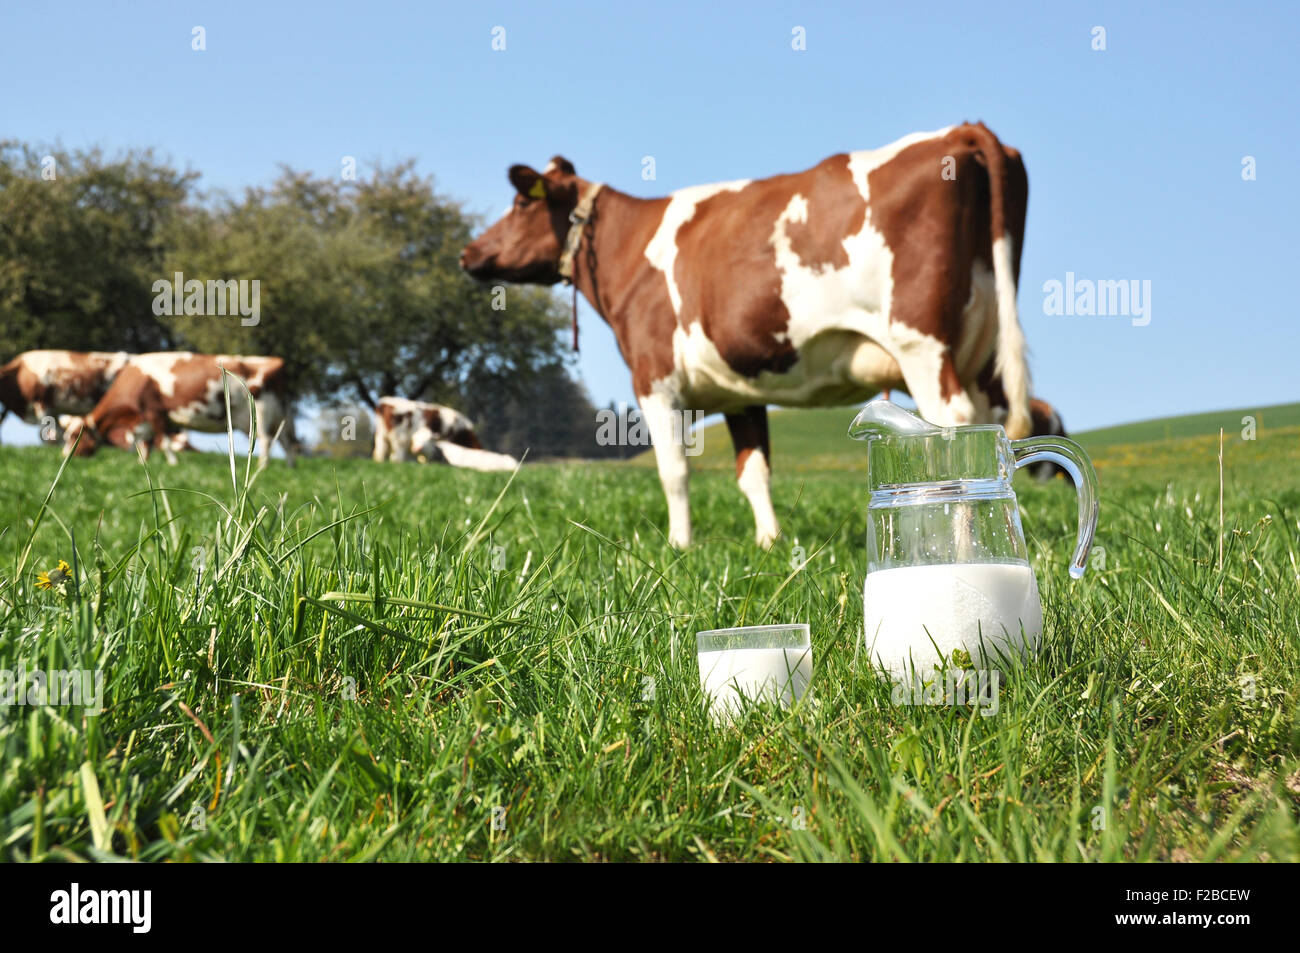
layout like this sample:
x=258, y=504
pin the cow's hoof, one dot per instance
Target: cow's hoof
x=680, y=540
x=765, y=540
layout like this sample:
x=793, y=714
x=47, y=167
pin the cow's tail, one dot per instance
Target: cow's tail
x=1012, y=363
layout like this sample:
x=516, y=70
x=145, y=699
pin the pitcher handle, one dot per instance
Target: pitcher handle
x=1070, y=457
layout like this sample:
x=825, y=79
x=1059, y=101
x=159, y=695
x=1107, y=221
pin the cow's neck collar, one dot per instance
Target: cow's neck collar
x=582, y=214
x=578, y=220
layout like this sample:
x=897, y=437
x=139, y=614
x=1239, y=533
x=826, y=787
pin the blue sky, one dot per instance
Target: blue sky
x=1134, y=153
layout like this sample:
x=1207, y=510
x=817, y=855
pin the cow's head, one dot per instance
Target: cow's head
x=525, y=245
x=83, y=436
x=78, y=436
x=443, y=424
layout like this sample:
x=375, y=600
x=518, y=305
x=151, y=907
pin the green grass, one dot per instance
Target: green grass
x=375, y=658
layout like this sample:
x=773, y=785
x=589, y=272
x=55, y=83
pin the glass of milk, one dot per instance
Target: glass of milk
x=752, y=664
x=948, y=575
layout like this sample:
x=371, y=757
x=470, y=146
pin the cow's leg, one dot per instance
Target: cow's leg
x=932, y=380
x=268, y=419
x=664, y=422
x=165, y=440
x=753, y=471
x=55, y=432
x=45, y=419
x=288, y=435
x=150, y=430
x=381, y=439
x=399, y=444
x=179, y=442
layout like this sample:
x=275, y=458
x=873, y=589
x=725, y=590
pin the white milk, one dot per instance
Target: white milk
x=774, y=674
x=954, y=604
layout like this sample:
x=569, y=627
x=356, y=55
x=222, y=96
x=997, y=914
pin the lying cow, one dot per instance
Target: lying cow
x=892, y=268
x=41, y=387
x=157, y=395
x=414, y=428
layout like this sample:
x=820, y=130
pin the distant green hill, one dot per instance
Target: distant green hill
x=1193, y=425
x=817, y=440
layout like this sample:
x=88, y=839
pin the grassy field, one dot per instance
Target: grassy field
x=357, y=661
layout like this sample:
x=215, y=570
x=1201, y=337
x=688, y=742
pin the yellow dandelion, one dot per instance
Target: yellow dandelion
x=54, y=577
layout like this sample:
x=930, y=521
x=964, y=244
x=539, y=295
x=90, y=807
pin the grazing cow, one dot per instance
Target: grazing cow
x=892, y=268
x=414, y=428
x=175, y=442
x=157, y=395
x=41, y=387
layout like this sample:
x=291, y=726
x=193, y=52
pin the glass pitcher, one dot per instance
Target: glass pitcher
x=948, y=576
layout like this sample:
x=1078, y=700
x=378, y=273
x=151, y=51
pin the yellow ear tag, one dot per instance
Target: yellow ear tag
x=538, y=191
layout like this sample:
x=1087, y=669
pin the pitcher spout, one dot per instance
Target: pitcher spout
x=882, y=417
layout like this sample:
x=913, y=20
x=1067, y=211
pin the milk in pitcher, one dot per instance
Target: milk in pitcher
x=917, y=616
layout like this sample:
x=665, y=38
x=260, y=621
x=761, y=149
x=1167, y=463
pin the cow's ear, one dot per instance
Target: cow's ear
x=561, y=164
x=527, y=182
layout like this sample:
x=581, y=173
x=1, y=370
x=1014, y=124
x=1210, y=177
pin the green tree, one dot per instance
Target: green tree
x=81, y=241
x=361, y=291
x=552, y=416
x=310, y=271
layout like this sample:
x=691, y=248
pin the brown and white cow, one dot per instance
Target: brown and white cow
x=431, y=432
x=408, y=428
x=890, y=268
x=41, y=387
x=157, y=395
